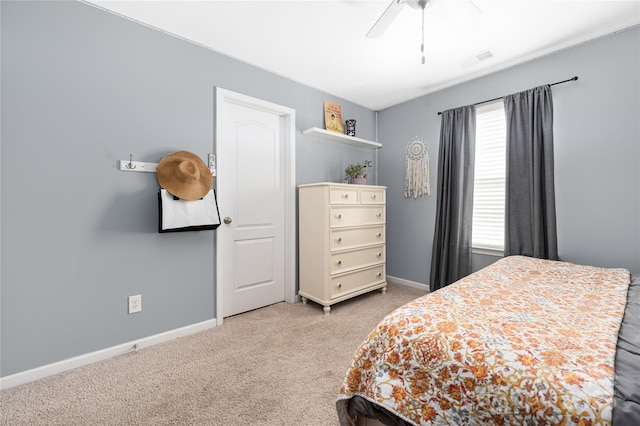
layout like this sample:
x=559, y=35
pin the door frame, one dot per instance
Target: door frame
x=288, y=116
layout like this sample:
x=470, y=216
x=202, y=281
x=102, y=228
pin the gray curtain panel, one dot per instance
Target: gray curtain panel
x=530, y=210
x=451, y=259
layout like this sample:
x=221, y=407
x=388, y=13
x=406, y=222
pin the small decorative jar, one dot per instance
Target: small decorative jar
x=350, y=127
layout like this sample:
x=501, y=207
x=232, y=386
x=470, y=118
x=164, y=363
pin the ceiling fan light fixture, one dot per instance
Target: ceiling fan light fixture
x=394, y=9
x=418, y=4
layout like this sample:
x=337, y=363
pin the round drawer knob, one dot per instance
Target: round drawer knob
x=379, y=254
x=373, y=196
x=339, y=239
x=379, y=215
x=339, y=216
x=339, y=285
x=345, y=195
x=379, y=274
x=379, y=234
x=339, y=262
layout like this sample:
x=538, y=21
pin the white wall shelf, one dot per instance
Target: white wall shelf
x=341, y=138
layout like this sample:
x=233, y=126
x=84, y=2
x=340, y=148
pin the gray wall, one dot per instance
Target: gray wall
x=82, y=89
x=597, y=155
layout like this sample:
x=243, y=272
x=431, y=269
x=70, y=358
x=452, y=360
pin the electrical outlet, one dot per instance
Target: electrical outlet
x=135, y=304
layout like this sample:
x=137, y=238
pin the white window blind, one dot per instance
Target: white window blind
x=489, y=178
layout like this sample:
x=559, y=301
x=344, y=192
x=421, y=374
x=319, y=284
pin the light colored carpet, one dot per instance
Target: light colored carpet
x=279, y=365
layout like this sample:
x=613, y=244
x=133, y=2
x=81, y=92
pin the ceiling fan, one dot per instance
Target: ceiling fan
x=394, y=9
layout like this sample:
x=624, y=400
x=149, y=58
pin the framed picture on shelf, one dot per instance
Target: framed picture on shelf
x=333, y=117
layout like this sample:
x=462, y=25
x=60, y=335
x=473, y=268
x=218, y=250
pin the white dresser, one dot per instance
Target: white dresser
x=341, y=241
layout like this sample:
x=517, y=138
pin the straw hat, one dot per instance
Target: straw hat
x=184, y=175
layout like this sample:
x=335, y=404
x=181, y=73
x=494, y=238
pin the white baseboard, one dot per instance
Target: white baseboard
x=89, y=358
x=408, y=283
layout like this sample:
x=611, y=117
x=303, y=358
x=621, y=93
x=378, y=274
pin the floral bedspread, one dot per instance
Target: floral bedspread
x=523, y=341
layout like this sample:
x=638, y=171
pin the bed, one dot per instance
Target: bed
x=522, y=341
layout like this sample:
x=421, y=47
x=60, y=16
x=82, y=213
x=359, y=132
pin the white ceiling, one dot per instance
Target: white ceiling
x=322, y=44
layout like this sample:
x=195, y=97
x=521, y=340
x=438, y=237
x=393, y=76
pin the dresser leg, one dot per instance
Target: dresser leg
x=326, y=310
x=384, y=290
x=304, y=300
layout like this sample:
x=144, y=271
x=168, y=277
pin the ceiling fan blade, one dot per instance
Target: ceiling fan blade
x=386, y=18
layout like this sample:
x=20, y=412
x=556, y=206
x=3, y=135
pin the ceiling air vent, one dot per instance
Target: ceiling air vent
x=484, y=55
x=477, y=58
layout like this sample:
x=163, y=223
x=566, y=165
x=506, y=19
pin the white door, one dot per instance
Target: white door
x=254, y=181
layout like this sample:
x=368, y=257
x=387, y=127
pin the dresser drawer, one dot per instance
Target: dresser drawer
x=343, y=196
x=354, y=281
x=356, y=216
x=373, y=196
x=352, y=238
x=354, y=259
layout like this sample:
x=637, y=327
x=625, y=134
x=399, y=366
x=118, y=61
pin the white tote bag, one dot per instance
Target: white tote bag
x=178, y=215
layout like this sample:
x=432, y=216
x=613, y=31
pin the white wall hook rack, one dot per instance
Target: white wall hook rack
x=137, y=166
x=212, y=163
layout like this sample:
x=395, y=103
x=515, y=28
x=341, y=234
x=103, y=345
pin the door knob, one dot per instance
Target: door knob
x=227, y=220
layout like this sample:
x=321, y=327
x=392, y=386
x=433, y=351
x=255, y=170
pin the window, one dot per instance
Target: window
x=489, y=179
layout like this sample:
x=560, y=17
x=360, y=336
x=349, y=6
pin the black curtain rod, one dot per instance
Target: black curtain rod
x=495, y=99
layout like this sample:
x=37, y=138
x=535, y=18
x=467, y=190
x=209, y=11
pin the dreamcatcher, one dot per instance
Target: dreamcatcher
x=416, y=175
